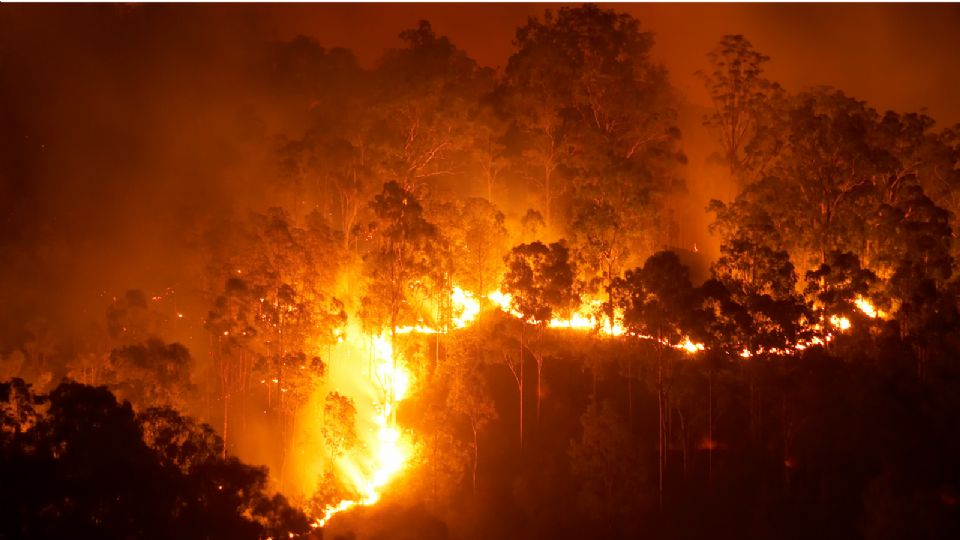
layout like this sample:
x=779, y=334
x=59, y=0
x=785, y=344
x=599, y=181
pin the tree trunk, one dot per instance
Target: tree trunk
x=786, y=441
x=226, y=424
x=435, y=459
x=595, y=369
x=630, y=391
x=392, y=398
x=520, y=385
x=684, y=437
x=710, y=429
x=224, y=394
x=547, y=195
x=539, y=372
x=476, y=456
x=280, y=416
x=753, y=403
x=660, y=449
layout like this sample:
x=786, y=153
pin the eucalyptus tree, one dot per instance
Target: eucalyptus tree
x=404, y=263
x=592, y=112
x=745, y=107
x=541, y=280
x=657, y=304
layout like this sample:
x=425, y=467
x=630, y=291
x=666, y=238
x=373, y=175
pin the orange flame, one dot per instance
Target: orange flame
x=387, y=450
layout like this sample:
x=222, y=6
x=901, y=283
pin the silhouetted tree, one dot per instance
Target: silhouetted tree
x=541, y=282
x=744, y=107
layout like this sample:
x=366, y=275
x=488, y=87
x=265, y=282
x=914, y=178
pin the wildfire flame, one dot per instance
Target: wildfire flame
x=868, y=308
x=841, y=323
x=466, y=307
x=389, y=450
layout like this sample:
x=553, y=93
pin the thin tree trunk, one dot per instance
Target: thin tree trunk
x=683, y=434
x=224, y=395
x=520, y=367
x=595, y=368
x=547, y=195
x=226, y=413
x=393, y=374
x=280, y=416
x=753, y=411
x=476, y=456
x=710, y=429
x=786, y=441
x=539, y=370
x=630, y=391
x=435, y=446
x=660, y=449
x=539, y=358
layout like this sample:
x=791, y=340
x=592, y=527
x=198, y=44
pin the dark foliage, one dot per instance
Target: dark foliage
x=78, y=464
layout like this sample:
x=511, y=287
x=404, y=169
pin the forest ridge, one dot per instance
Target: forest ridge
x=430, y=299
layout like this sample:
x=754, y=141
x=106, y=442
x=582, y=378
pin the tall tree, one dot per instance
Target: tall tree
x=599, y=247
x=744, y=105
x=428, y=93
x=404, y=262
x=470, y=398
x=541, y=280
x=587, y=100
x=656, y=300
x=152, y=374
x=605, y=460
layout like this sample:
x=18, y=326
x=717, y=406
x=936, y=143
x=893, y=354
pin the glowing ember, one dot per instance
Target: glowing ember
x=417, y=329
x=868, y=308
x=690, y=346
x=842, y=323
x=465, y=307
x=386, y=450
x=502, y=300
x=577, y=321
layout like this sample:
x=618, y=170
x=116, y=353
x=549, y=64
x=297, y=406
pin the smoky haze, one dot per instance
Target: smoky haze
x=122, y=123
x=894, y=56
x=285, y=220
x=119, y=122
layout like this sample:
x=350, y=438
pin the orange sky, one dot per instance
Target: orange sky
x=898, y=56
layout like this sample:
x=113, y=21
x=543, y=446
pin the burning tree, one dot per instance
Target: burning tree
x=401, y=268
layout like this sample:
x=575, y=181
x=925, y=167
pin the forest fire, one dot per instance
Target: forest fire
x=386, y=451
x=307, y=272
x=868, y=309
x=383, y=450
x=465, y=308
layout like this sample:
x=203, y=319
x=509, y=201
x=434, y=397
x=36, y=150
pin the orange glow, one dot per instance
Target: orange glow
x=576, y=321
x=842, y=323
x=503, y=301
x=690, y=346
x=868, y=308
x=384, y=448
x=466, y=307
